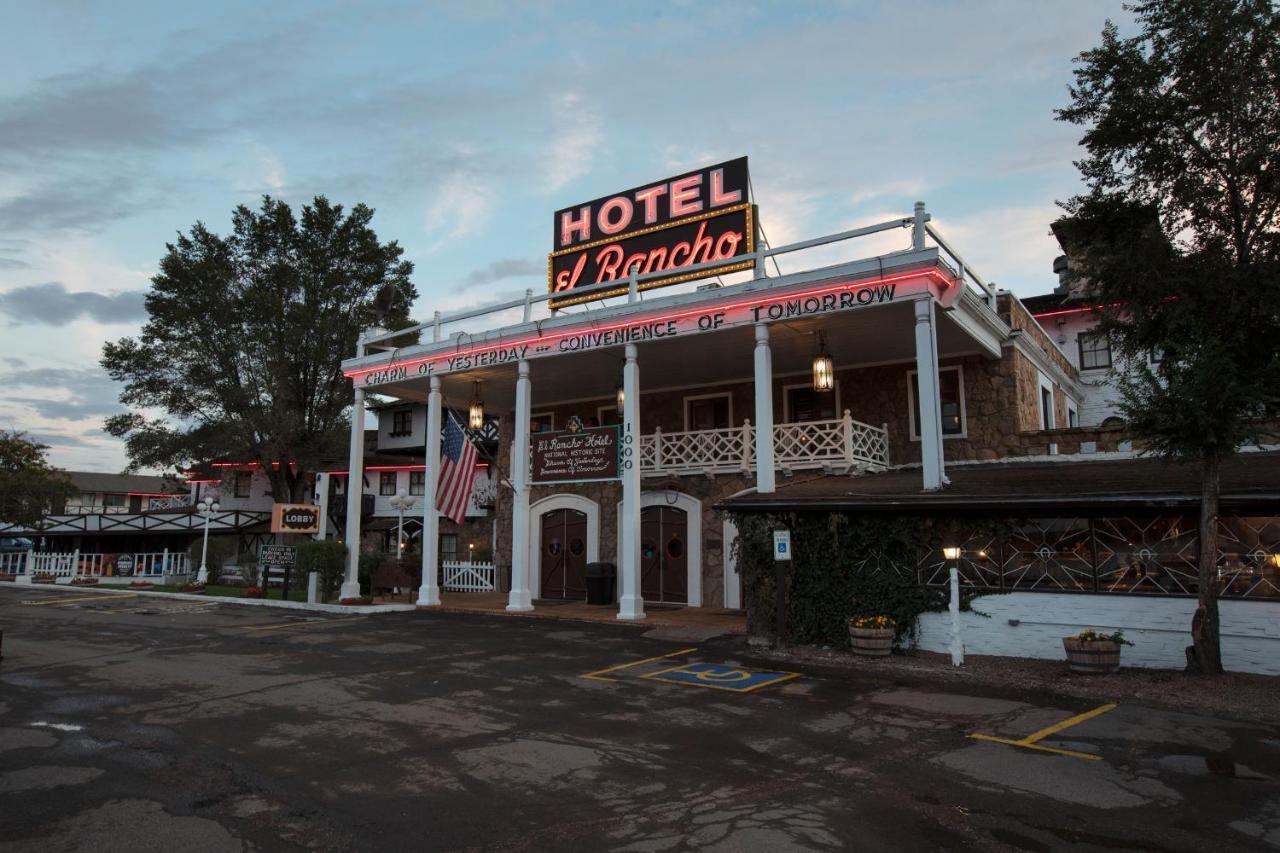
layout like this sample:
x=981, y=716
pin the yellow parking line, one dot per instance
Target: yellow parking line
x=1032, y=740
x=110, y=597
x=312, y=624
x=595, y=676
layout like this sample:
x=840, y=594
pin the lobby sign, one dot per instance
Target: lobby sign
x=698, y=217
x=295, y=518
x=584, y=455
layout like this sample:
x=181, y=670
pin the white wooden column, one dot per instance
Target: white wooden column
x=355, y=490
x=429, y=589
x=322, y=501
x=520, y=597
x=630, y=600
x=930, y=424
x=765, y=474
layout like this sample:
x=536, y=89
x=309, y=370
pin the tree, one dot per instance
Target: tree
x=30, y=487
x=245, y=336
x=1177, y=236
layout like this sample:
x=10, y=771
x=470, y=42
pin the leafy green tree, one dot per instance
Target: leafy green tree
x=30, y=487
x=245, y=336
x=1177, y=239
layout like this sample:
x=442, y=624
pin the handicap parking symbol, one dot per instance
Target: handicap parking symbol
x=721, y=677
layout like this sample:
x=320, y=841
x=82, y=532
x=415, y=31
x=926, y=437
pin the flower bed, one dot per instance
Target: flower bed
x=253, y=592
x=84, y=582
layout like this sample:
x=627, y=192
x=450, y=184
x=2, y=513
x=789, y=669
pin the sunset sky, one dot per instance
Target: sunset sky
x=465, y=125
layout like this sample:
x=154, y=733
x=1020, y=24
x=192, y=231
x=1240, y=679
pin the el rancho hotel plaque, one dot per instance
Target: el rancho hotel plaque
x=575, y=455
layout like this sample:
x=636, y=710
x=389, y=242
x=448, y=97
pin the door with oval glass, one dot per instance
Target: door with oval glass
x=664, y=557
x=564, y=554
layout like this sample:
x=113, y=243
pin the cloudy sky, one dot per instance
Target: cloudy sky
x=465, y=125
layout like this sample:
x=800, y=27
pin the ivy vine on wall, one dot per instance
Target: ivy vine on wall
x=842, y=566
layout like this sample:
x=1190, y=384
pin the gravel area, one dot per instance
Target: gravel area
x=1233, y=695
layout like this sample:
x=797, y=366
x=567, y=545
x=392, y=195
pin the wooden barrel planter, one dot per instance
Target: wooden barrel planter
x=871, y=642
x=1092, y=657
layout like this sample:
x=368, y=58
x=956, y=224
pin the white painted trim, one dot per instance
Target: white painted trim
x=550, y=503
x=732, y=580
x=786, y=400
x=913, y=433
x=728, y=395
x=693, y=511
x=1043, y=384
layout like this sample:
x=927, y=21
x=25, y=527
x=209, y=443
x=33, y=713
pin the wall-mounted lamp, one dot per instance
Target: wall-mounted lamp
x=621, y=399
x=475, y=418
x=824, y=374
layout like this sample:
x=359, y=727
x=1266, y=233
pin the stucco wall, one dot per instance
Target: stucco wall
x=1160, y=628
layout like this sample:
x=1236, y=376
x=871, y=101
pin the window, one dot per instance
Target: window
x=802, y=403
x=417, y=482
x=951, y=394
x=401, y=422
x=542, y=421
x=608, y=415
x=386, y=482
x=339, y=484
x=243, y=484
x=709, y=411
x=1046, y=407
x=1095, y=351
x=114, y=503
x=448, y=547
x=1073, y=416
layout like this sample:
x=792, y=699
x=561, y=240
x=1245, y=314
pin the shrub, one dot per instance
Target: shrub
x=370, y=559
x=221, y=550
x=326, y=558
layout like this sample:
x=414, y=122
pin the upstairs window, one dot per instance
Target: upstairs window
x=951, y=395
x=710, y=412
x=386, y=482
x=243, y=484
x=401, y=423
x=805, y=404
x=1095, y=351
x=417, y=482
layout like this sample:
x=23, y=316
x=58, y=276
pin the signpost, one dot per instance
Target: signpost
x=279, y=557
x=584, y=455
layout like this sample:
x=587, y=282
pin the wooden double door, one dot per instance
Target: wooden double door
x=664, y=554
x=564, y=554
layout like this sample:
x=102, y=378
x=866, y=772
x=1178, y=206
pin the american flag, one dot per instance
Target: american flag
x=457, y=472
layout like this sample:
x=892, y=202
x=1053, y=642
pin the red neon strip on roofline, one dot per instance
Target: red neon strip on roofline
x=1066, y=311
x=931, y=273
x=154, y=494
x=192, y=482
x=394, y=468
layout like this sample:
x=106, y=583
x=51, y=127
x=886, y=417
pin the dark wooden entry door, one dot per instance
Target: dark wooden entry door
x=664, y=554
x=564, y=554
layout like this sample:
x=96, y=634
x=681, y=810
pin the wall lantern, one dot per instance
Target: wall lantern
x=824, y=374
x=475, y=418
x=621, y=399
x=951, y=552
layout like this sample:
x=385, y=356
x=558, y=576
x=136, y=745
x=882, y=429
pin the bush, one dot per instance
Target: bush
x=221, y=550
x=326, y=558
x=370, y=559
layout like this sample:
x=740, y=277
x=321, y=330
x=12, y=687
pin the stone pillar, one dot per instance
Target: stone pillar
x=930, y=425
x=429, y=589
x=765, y=473
x=355, y=490
x=630, y=600
x=520, y=597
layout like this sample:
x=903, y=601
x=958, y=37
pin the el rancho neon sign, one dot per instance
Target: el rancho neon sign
x=695, y=218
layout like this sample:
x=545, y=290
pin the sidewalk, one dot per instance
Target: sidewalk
x=699, y=620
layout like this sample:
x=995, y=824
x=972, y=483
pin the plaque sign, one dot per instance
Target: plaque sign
x=585, y=455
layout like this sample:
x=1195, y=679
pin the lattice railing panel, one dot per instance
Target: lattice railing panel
x=726, y=449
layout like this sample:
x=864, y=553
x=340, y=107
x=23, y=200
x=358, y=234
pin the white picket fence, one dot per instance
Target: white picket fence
x=77, y=564
x=469, y=577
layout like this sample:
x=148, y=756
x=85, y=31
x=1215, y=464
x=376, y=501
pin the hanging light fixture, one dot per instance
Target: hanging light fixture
x=475, y=418
x=824, y=374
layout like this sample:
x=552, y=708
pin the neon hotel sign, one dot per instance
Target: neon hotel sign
x=694, y=218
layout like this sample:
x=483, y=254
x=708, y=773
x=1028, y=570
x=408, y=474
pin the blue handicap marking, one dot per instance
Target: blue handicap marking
x=721, y=677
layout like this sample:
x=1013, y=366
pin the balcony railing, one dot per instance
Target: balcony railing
x=839, y=443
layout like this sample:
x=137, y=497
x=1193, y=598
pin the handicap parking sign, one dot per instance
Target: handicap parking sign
x=721, y=677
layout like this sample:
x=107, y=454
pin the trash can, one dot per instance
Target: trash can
x=601, y=579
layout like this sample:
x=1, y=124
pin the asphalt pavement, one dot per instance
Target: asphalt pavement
x=131, y=723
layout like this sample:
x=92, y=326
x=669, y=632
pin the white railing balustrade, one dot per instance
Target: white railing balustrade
x=80, y=564
x=13, y=562
x=805, y=444
x=462, y=576
x=57, y=565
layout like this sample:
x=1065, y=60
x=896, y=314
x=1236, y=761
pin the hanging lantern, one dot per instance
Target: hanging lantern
x=621, y=399
x=824, y=374
x=475, y=419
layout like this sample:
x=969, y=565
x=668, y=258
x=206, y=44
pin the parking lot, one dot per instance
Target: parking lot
x=137, y=723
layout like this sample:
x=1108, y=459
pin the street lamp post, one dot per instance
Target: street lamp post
x=400, y=503
x=952, y=554
x=207, y=508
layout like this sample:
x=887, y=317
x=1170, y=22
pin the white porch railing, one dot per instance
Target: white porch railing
x=805, y=444
x=77, y=564
x=468, y=577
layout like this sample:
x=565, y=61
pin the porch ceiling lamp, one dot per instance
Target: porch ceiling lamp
x=475, y=419
x=824, y=374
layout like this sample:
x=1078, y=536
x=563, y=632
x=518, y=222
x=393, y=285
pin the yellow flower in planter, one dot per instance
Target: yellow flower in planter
x=873, y=622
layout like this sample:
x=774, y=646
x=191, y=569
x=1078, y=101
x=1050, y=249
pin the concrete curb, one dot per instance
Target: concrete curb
x=250, y=602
